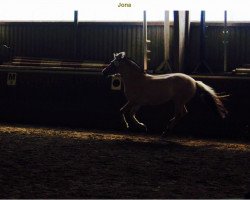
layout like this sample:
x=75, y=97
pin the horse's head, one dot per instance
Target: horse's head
x=120, y=65
x=114, y=66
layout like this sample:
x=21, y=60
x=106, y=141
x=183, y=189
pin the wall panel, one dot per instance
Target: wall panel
x=99, y=40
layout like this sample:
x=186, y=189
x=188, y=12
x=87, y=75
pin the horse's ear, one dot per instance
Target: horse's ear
x=120, y=55
x=123, y=54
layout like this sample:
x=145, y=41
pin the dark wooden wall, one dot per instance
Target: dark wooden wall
x=238, y=46
x=81, y=98
x=84, y=98
x=56, y=97
x=98, y=40
x=95, y=41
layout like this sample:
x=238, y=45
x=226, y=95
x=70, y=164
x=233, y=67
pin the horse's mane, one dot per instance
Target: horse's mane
x=134, y=63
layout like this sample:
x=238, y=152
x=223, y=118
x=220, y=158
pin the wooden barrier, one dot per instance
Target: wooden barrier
x=40, y=62
x=83, y=98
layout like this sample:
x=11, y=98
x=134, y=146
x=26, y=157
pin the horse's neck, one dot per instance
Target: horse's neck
x=130, y=80
x=131, y=74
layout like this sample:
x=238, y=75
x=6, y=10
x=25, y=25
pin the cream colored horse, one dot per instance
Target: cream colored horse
x=143, y=89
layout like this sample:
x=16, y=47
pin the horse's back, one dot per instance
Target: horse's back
x=161, y=88
x=184, y=86
x=178, y=84
x=177, y=78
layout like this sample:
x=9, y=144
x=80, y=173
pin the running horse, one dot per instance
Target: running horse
x=143, y=89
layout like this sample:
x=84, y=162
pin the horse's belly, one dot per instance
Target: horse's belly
x=160, y=90
x=155, y=98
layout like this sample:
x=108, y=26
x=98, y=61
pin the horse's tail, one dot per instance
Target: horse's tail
x=213, y=99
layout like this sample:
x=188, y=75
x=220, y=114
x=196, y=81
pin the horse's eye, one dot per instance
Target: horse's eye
x=116, y=63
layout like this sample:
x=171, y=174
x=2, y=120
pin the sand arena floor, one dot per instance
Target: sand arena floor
x=44, y=162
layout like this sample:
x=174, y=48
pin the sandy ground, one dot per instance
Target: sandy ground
x=43, y=162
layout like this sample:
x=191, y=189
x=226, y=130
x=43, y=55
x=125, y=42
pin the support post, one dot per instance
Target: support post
x=179, y=39
x=225, y=41
x=202, y=62
x=166, y=35
x=75, y=49
x=165, y=67
x=187, y=40
x=75, y=18
x=145, y=42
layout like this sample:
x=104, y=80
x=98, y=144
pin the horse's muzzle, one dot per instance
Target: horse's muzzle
x=109, y=70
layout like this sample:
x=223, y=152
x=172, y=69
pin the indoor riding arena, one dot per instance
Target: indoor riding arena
x=64, y=134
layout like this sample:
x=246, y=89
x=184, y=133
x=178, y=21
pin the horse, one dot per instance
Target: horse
x=143, y=89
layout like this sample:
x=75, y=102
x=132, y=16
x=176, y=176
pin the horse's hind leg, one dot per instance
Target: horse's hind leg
x=128, y=112
x=180, y=111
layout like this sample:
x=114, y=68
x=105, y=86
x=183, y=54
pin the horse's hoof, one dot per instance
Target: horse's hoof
x=139, y=128
x=164, y=134
x=143, y=128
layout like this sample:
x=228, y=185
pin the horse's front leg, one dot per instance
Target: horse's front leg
x=128, y=112
x=124, y=110
x=139, y=126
